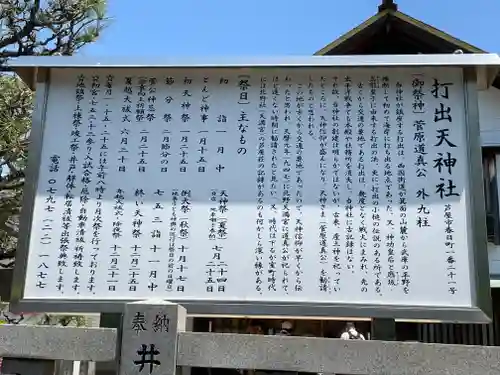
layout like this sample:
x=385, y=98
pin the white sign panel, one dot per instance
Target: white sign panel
x=318, y=186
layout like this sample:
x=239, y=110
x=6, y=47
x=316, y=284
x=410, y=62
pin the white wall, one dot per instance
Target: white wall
x=494, y=255
x=489, y=116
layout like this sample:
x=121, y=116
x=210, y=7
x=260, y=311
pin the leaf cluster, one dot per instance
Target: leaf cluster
x=32, y=28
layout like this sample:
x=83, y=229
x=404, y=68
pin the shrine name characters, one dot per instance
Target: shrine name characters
x=445, y=162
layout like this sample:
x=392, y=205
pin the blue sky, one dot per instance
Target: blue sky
x=272, y=27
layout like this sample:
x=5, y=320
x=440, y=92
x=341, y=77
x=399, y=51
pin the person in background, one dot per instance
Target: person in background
x=350, y=333
x=255, y=328
x=286, y=329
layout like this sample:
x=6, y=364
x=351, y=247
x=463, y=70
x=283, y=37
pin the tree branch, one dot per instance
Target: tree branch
x=31, y=27
x=7, y=255
x=9, y=185
x=8, y=265
x=8, y=230
x=26, y=30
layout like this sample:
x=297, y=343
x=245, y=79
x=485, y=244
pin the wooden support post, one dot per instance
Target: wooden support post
x=383, y=329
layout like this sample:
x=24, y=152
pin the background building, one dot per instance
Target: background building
x=391, y=32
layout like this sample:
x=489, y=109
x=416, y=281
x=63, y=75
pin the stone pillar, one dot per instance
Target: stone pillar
x=149, y=337
x=109, y=321
x=189, y=328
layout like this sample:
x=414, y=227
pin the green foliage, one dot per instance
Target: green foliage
x=40, y=319
x=36, y=27
x=32, y=27
x=15, y=122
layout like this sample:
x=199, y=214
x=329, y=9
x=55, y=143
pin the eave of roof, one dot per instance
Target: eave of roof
x=427, y=35
x=369, y=23
x=378, y=20
x=31, y=68
x=466, y=47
